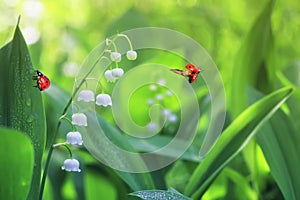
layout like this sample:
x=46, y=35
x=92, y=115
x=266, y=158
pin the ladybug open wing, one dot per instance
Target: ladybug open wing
x=180, y=72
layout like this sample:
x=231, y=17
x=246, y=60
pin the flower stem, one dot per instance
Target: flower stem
x=127, y=38
x=43, y=181
x=69, y=121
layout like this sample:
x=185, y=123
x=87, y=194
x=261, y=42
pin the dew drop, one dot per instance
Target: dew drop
x=30, y=118
x=28, y=101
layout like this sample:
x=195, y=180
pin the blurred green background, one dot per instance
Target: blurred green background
x=61, y=34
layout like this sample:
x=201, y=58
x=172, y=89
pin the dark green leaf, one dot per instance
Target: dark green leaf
x=21, y=104
x=233, y=139
x=170, y=194
x=16, y=169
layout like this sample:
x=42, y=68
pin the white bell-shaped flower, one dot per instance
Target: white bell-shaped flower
x=153, y=87
x=86, y=96
x=162, y=82
x=131, y=55
x=159, y=97
x=172, y=118
x=79, y=119
x=169, y=93
x=150, y=102
x=152, y=127
x=115, y=56
x=109, y=76
x=117, y=72
x=71, y=165
x=103, y=100
x=74, y=138
x=166, y=112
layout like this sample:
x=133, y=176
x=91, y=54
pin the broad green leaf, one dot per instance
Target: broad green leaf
x=21, y=105
x=251, y=65
x=159, y=194
x=279, y=139
x=136, y=181
x=233, y=140
x=16, y=169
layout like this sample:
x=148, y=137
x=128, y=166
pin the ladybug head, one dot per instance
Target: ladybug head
x=39, y=73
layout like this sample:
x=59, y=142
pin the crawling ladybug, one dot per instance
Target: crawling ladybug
x=42, y=82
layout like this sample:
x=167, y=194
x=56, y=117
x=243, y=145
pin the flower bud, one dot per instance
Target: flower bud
x=115, y=56
x=131, y=55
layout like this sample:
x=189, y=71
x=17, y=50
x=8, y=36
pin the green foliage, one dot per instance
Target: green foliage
x=233, y=139
x=278, y=140
x=251, y=66
x=17, y=159
x=254, y=44
x=21, y=105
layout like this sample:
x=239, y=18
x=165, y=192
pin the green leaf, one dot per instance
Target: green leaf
x=278, y=140
x=21, y=104
x=16, y=158
x=159, y=194
x=243, y=187
x=250, y=62
x=233, y=140
x=136, y=181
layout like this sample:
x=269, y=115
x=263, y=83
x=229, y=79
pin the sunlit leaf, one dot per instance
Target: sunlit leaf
x=21, y=105
x=16, y=169
x=233, y=139
x=250, y=64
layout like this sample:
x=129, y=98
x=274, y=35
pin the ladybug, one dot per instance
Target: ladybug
x=192, y=72
x=42, y=81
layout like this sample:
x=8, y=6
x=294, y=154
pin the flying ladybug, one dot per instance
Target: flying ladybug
x=192, y=72
x=42, y=81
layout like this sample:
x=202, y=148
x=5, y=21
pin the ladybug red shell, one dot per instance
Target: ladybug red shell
x=42, y=81
x=192, y=72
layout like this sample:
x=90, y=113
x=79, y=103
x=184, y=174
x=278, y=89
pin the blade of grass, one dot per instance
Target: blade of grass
x=233, y=139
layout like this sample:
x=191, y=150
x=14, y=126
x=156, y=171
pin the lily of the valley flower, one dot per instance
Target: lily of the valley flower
x=71, y=165
x=86, y=96
x=109, y=76
x=152, y=127
x=172, y=118
x=103, y=100
x=131, y=55
x=117, y=72
x=74, y=138
x=79, y=119
x=159, y=97
x=115, y=56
